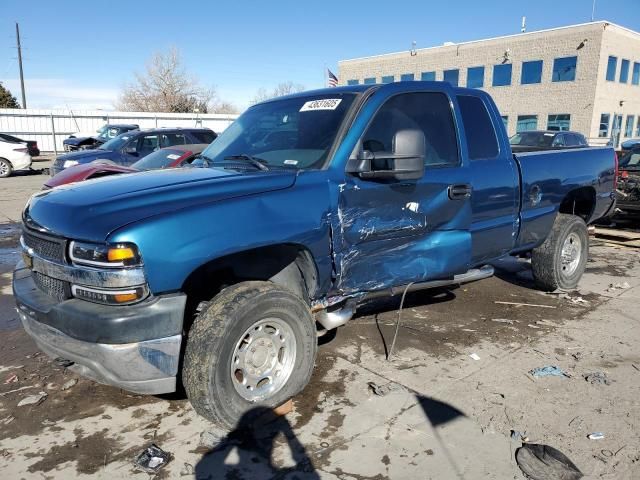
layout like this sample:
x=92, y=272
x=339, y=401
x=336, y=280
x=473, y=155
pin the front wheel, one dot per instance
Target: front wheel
x=254, y=345
x=561, y=260
x=5, y=168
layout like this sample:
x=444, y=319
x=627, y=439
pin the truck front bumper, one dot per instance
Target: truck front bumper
x=136, y=348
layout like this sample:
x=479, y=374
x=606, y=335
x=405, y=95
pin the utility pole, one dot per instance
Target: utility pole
x=24, y=98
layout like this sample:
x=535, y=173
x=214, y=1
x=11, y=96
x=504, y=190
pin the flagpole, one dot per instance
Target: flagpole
x=325, y=76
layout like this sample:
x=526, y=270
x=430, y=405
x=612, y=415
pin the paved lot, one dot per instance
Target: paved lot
x=448, y=415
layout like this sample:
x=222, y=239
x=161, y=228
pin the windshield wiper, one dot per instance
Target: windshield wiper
x=259, y=163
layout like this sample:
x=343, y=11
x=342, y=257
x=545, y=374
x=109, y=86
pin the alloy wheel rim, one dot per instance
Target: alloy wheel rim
x=4, y=168
x=263, y=359
x=571, y=254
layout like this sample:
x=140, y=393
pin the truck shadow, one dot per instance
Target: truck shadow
x=248, y=451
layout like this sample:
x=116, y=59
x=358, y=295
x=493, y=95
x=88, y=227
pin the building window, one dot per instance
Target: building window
x=526, y=122
x=624, y=71
x=452, y=76
x=475, y=77
x=603, y=132
x=428, y=76
x=564, y=69
x=353, y=82
x=505, y=120
x=502, y=75
x=638, y=127
x=628, y=127
x=407, y=77
x=612, y=64
x=559, y=123
x=387, y=79
x=635, y=76
x=369, y=80
x=531, y=72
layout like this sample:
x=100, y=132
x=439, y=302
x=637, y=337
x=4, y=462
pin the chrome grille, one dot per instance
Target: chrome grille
x=53, y=287
x=51, y=249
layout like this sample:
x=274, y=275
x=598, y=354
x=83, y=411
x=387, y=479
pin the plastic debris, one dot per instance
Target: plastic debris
x=618, y=286
x=33, y=399
x=548, y=371
x=518, y=304
x=11, y=378
x=597, y=378
x=68, y=384
x=519, y=436
x=596, y=436
x=502, y=320
x=382, y=390
x=475, y=356
x=152, y=459
x=542, y=462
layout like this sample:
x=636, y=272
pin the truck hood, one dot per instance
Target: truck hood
x=91, y=210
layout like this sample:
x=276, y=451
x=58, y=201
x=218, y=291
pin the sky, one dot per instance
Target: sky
x=79, y=54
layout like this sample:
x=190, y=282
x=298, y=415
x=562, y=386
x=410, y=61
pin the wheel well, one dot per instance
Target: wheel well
x=580, y=202
x=291, y=266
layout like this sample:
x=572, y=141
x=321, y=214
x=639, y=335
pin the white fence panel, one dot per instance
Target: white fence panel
x=40, y=125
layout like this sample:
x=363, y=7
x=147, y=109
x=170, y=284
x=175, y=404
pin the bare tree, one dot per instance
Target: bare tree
x=284, y=88
x=221, y=106
x=166, y=87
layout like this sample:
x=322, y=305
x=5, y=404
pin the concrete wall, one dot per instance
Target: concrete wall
x=576, y=98
x=35, y=124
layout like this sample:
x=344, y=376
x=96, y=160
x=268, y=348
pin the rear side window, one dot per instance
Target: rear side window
x=426, y=111
x=170, y=139
x=481, y=136
x=204, y=137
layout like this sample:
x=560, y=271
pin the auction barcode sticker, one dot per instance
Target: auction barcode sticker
x=324, y=104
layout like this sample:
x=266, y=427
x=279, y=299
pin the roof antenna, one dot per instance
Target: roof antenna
x=413, y=49
x=523, y=28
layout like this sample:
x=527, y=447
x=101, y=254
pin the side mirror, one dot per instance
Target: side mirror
x=405, y=162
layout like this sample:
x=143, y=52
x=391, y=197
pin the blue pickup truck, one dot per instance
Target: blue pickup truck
x=223, y=277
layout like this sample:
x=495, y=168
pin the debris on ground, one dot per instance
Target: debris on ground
x=475, y=356
x=187, y=470
x=618, y=286
x=597, y=378
x=152, y=459
x=382, y=390
x=596, y=436
x=68, y=384
x=503, y=320
x=210, y=439
x=542, y=462
x=519, y=436
x=36, y=399
x=577, y=356
x=11, y=378
x=517, y=304
x=549, y=371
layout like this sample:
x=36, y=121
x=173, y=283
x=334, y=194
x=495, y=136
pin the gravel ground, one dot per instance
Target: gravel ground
x=459, y=384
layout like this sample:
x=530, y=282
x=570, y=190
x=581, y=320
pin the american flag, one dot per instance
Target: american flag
x=332, y=79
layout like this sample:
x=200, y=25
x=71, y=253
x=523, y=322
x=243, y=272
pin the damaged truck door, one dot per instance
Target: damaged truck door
x=402, y=222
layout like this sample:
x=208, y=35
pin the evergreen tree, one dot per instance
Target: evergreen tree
x=6, y=99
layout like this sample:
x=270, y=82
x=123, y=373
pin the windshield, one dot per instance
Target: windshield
x=107, y=132
x=115, y=143
x=532, y=139
x=289, y=133
x=159, y=159
x=631, y=159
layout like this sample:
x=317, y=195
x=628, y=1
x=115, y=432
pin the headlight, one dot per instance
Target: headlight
x=103, y=255
x=69, y=163
x=110, y=297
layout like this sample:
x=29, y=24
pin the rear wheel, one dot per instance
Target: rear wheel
x=5, y=168
x=254, y=345
x=561, y=260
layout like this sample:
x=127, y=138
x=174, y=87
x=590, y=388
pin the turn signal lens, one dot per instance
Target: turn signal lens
x=125, y=297
x=110, y=297
x=118, y=254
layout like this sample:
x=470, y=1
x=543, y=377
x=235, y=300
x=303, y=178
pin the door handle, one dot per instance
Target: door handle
x=459, y=191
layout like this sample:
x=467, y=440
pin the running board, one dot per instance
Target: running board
x=339, y=316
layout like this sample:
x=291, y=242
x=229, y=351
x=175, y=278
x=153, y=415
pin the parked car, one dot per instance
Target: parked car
x=628, y=193
x=104, y=134
x=13, y=156
x=539, y=140
x=129, y=147
x=168, y=157
x=32, y=145
x=628, y=145
x=312, y=203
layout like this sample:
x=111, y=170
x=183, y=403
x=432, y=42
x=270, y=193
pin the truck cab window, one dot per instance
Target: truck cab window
x=481, y=136
x=429, y=112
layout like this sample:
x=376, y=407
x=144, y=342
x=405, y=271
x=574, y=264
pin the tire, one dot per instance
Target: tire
x=6, y=169
x=552, y=270
x=215, y=342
